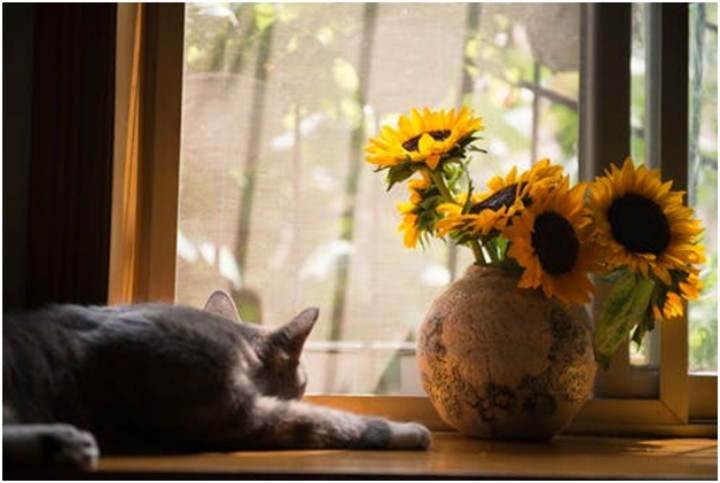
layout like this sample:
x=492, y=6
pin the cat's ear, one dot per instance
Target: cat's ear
x=221, y=303
x=292, y=336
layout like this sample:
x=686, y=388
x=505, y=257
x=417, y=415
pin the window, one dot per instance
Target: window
x=277, y=205
x=702, y=161
x=702, y=188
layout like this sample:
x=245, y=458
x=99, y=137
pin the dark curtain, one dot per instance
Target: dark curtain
x=70, y=172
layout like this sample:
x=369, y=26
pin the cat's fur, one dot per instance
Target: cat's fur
x=164, y=378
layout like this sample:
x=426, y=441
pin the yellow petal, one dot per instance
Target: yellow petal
x=432, y=161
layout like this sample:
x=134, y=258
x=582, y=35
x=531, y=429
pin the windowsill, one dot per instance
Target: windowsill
x=451, y=456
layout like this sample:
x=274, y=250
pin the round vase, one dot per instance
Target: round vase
x=500, y=362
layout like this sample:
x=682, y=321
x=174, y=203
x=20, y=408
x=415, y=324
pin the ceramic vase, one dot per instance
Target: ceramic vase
x=500, y=362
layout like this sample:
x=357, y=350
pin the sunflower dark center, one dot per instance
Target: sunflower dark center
x=412, y=143
x=555, y=243
x=639, y=224
x=503, y=197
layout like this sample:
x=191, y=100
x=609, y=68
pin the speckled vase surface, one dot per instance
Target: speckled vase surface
x=499, y=362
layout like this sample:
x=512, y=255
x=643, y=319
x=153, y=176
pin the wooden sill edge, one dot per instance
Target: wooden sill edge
x=419, y=409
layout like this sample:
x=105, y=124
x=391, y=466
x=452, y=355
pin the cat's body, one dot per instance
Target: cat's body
x=163, y=378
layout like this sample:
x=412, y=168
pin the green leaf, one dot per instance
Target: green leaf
x=613, y=276
x=401, y=172
x=468, y=197
x=453, y=171
x=646, y=324
x=625, y=309
x=430, y=202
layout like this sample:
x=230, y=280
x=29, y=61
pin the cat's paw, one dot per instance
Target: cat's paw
x=45, y=446
x=409, y=436
x=68, y=446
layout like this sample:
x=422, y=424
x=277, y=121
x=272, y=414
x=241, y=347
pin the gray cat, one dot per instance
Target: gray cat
x=154, y=378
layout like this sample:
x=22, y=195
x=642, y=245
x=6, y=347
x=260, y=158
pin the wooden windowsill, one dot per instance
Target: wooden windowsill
x=451, y=456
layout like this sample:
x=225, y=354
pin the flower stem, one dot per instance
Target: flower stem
x=439, y=181
x=477, y=252
x=493, y=256
x=475, y=245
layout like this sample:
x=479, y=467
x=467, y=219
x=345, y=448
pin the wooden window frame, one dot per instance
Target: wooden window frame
x=149, y=68
x=145, y=197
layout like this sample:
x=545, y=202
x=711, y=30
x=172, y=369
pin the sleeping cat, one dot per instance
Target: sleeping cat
x=154, y=378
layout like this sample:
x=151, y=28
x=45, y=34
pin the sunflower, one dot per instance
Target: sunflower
x=642, y=224
x=422, y=137
x=669, y=302
x=542, y=175
x=550, y=240
x=477, y=222
x=409, y=224
x=413, y=212
x=491, y=211
x=691, y=286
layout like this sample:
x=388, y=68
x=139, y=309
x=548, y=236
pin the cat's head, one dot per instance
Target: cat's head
x=280, y=372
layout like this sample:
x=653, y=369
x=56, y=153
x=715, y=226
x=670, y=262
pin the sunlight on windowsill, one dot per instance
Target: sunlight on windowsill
x=453, y=455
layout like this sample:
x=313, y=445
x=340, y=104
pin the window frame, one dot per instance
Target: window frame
x=145, y=197
x=149, y=68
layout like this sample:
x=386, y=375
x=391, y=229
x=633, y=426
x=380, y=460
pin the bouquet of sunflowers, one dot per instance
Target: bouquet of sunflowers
x=627, y=226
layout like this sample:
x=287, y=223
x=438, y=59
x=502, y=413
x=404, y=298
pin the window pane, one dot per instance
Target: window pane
x=647, y=355
x=277, y=205
x=702, y=166
x=703, y=182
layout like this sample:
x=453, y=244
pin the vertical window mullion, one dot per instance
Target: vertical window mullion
x=605, y=138
x=605, y=130
x=674, y=165
x=605, y=87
